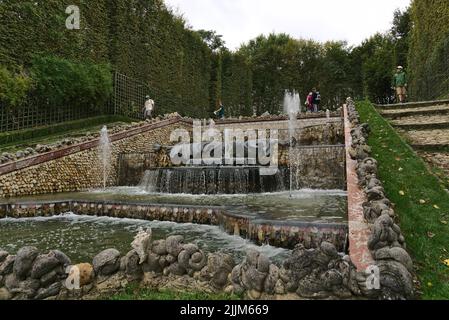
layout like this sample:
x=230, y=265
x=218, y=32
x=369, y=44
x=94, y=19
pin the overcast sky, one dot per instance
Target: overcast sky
x=241, y=20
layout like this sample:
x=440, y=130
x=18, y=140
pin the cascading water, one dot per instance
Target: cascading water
x=211, y=180
x=292, y=103
x=105, y=154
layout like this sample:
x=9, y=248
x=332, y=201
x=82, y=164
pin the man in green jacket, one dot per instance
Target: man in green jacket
x=400, y=84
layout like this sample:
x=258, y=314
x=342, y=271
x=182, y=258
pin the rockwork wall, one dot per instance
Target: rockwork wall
x=78, y=167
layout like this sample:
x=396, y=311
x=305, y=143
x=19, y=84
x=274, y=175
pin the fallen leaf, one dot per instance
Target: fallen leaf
x=422, y=201
x=431, y=235
x=443, y=221
x=446, y=262
x=436, y=207
x=402, y=193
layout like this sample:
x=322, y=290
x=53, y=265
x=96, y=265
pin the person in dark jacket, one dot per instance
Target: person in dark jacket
x=316, y=97
x=220, y=113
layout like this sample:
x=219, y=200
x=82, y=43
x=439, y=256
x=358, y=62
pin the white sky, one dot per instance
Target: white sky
x=242, y=20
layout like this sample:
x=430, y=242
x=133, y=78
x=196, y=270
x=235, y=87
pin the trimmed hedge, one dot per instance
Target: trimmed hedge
x=142, y=39
x=429, y=49
x=236, y=85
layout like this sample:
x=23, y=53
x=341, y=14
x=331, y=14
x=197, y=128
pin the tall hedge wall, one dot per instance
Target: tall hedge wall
x=429, y=49
x=38, y=27
x=140, y=38
x=236, y=85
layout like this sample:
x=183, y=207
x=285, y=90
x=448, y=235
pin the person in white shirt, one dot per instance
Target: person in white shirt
x=148, y=108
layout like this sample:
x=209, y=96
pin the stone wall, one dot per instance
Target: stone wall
x=307, y=131
x=315, y=167
x=78, y=170
x=319, y=167
x=384, y=241
x=132, y=167
x=172, y=264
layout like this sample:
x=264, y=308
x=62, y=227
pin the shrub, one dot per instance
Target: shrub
x=61, y=82
x=13, y=88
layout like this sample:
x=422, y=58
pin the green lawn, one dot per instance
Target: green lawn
x=19, y=140
x=421, y=202
x=135, y=293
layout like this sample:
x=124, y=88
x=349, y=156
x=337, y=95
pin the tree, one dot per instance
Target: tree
x=373, y=62
x=213, y=40
x=334, y=75
x=401, y=31
x=376, y=64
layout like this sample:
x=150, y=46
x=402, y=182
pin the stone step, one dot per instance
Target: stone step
x=435, y=138
x=420, y=119
x=410, y=105
x=437, y=159
x=423, y=111
x=421, y=126
x=440, y=148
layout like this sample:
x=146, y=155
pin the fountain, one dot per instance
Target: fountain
x=212, y=180
x=219, y=175
x=206, y=198
x=292, y=104
x=105, y=154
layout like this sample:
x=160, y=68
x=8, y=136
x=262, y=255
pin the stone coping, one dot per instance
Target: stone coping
x=359, y=230
x=300, y=120
x=334, y=116
x=72, y=203
x=52, y=155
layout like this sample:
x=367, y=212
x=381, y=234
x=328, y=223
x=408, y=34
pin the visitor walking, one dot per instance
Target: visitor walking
x=400, y=84
x=316, y=99
x=148, y=108
x=220, y=113
x=309, y=102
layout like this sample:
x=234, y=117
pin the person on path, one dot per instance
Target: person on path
x=315, y=94
x=318, y=101
x=148, y=108
x=309, y=102
x=400, y=84
x=220, y=113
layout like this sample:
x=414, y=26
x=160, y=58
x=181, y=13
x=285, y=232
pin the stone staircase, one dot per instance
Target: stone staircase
x=425, y=126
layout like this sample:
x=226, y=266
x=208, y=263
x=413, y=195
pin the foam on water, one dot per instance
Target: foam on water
x=81, y=237
x=298, y=194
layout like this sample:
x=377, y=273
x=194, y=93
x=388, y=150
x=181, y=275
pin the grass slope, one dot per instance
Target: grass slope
x=17, y=140
x=421, y=202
